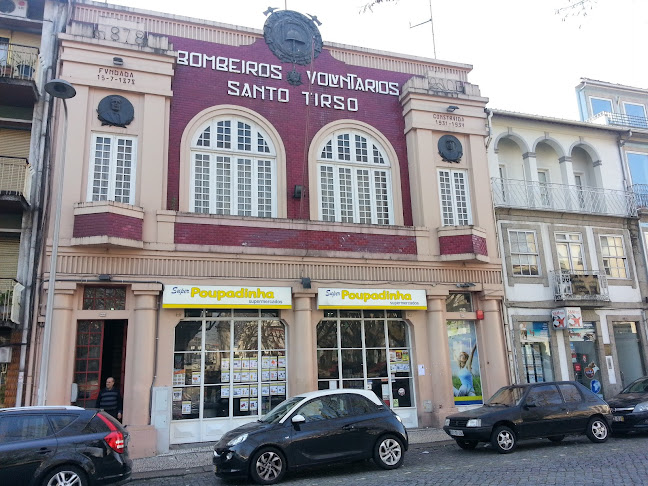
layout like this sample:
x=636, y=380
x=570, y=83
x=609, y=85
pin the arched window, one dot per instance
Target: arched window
x=233, y=169
x=354, y=179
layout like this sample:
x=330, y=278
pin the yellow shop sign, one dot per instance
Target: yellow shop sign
x=201, y=296
x=343, y=298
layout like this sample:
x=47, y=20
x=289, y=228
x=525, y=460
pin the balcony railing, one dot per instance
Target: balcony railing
x=562, y=197
x=607, y=118
x=15, y=177
x=583, y=285
x=18, y=61
x=641, y=195
x=8, y=304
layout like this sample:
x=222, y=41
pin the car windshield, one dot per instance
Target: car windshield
x=277, y=413
x=507, y=396
x=639, y=386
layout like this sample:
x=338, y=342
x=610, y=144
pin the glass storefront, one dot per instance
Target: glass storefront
x=584, y=357
x=536, y=352
x=228, y=363
x=366, y=349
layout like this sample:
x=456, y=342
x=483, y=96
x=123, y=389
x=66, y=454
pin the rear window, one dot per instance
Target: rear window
x=570, y=393
x=360, y=405
x=96, y=425
x=60, y=421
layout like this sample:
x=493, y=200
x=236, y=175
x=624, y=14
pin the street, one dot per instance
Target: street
x=620, y=461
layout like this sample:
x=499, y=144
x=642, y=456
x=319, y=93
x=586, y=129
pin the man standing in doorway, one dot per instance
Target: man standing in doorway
x=110, y=399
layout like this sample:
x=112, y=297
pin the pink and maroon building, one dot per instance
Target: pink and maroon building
x=248, y=215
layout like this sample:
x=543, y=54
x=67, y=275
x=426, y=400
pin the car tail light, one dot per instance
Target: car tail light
x=114, y=439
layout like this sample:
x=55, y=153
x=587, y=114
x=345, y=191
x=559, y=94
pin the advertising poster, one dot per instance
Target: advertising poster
x=177, y=394
x=464, y=362
x=186, y=407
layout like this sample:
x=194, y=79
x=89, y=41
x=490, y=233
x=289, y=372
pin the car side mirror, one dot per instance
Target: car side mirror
x=298, y=419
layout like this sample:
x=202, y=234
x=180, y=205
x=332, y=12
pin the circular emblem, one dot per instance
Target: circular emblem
x=401, y=391
x=450, y=148
x=115, y=110
x=292, y=37
x=595, y=386
x=589, y=372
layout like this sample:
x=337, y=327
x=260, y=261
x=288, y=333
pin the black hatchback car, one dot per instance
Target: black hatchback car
x=57, y=446
x=550, y=409
x=630, y=408
x=314, y=428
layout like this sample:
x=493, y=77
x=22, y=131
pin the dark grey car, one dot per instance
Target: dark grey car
x=551, y=409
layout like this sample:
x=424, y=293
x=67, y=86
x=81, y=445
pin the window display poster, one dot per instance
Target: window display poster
x=265, y=375
x=265, y=390
x=245, y=364
x=244, y=405
x=265, y=362
x=254, y=391
x=245, y=376
x=281, y=361
x=236, y=377
x=179, y=377
x=186, y=407
x=281, y=374
x=225, y=364
x=195, y=378
x=464, y=363
x=225, y=392
x=225, y=377
x=254, y=376
x=273, y=375
x=254, y=405
x=254, y=364
x=236, y=363
x=177, y=394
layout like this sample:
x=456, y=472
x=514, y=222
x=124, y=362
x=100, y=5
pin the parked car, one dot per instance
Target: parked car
x=630, y=408
x=313, y=428
x=57, y=446
x=551, y=409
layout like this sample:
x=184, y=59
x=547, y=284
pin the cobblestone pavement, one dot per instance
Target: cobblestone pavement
x=620, y=461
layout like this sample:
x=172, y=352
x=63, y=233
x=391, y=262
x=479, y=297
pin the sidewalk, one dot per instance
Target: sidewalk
x=198, y=457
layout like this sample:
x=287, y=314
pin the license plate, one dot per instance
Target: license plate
x=457, y=433
x=618, y=418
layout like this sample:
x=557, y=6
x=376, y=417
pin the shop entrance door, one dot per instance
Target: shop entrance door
x=628, y=351
x=100, y=353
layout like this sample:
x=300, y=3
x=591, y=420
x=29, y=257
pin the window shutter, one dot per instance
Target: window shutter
x=14, y=143
x=9, y=250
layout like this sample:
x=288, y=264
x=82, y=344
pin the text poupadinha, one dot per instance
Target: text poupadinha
x=243, y=293
x=385, y=295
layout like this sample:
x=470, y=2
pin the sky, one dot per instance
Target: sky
x=525, y=57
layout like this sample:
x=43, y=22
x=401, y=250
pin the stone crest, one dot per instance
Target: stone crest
x=293, y=37
x=450, y=148
x=116, y=111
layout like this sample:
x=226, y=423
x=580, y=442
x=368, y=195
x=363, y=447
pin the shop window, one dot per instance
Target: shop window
x=614, y=258
x=104, y=298
x=229, y=364
x=536, y=352
x=233, y=169
x=366, y=349
x=455, y=198
x=464, y=362
x=112, y=168
x=354, y=179
x=524, y=252
x=584, y=356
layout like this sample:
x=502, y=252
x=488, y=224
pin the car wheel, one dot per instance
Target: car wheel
x=268, y=466
x=597, y=430
x=467, y=445
x=65, y=476
x=504, y=440
x=556, y=438
x=389, y=452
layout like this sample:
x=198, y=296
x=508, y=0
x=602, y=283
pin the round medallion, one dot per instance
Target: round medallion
x=292, y=37
x=450, y=148
x=115, y=110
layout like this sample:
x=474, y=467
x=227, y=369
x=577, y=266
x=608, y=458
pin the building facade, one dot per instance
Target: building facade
x=250, y=215
x=573, y=276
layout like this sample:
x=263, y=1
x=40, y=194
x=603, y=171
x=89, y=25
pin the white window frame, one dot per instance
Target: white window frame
x=234, y=154
x=626, y=103
x=536, y=254
x=601, y=99
x=623, y=257
x=454, y=210
x=569, y=242
x=112, y=168
x=375, y=151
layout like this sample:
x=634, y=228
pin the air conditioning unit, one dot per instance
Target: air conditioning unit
x=16, y=8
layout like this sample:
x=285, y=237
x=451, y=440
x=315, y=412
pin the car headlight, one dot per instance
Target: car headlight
x=447, y=422
x=474, y=423
x=237, y=440
x=641, y=407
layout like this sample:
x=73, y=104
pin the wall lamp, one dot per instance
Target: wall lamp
x=306, y=282
x=118, y=61
x=298, y=192
x=465, y=285
x=452, y=108
x=104, y=277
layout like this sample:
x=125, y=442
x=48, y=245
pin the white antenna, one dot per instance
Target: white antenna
x=432, y=25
